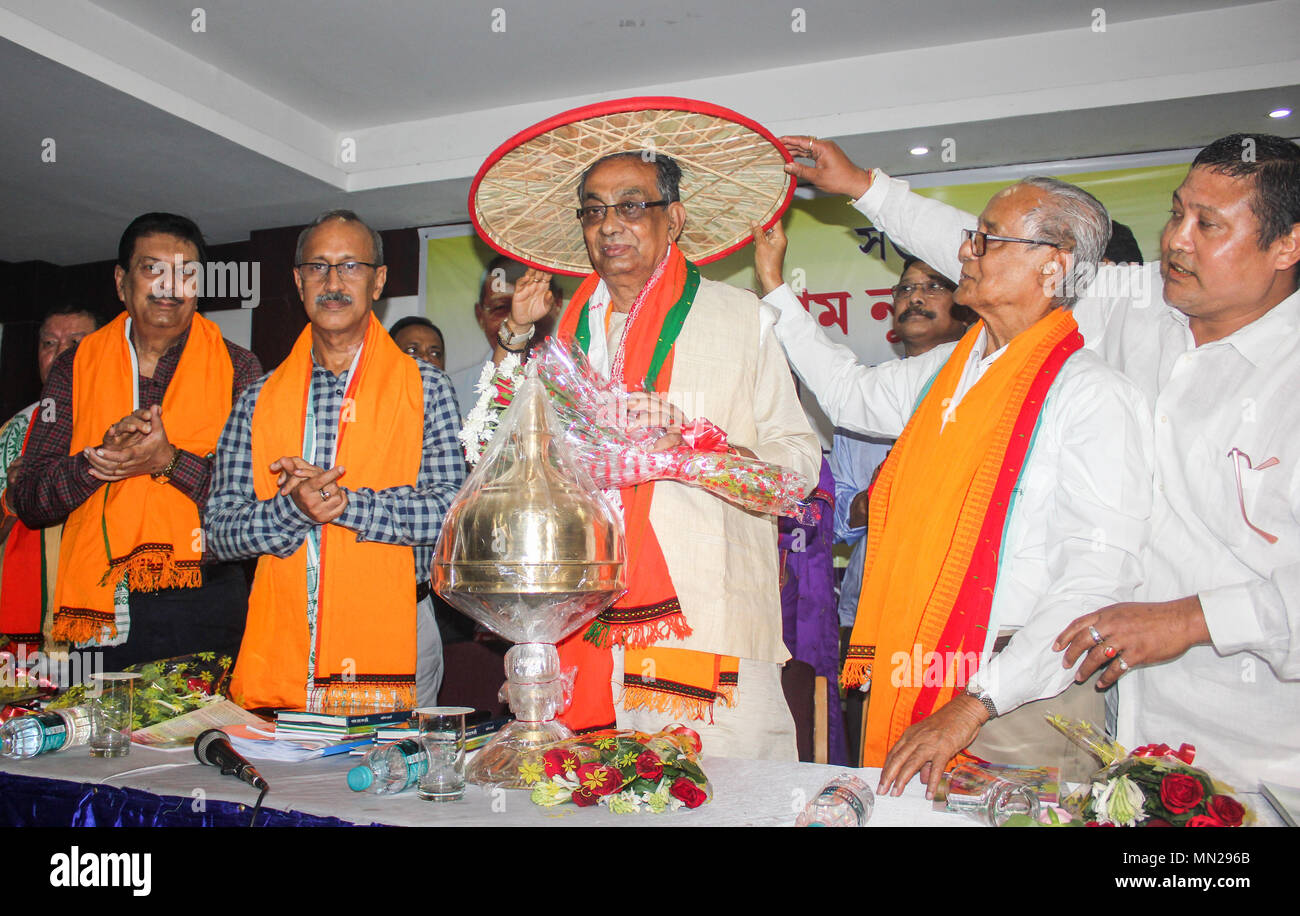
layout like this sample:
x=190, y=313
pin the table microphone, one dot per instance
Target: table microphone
x=213, y=748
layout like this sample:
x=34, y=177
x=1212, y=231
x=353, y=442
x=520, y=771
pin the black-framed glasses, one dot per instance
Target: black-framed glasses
x=629, y=211
x=979, y=241
x=347, y=270
x=930, y=289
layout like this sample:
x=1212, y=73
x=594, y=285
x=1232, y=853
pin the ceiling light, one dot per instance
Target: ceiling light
x=1280, y=113
x=922, y=150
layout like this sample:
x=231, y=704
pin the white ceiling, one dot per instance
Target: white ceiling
x=241, y=125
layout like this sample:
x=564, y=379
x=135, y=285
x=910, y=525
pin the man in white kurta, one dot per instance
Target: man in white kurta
x=1226, y=516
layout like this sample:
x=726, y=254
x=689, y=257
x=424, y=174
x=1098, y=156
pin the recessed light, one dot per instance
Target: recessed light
x=922, y=150
x=1280, y=113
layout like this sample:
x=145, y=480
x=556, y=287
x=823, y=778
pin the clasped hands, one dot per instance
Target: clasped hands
x=136, y=444
x=314, y=490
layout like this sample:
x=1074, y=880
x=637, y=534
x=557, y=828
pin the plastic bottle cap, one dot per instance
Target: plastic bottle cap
x=360, y=778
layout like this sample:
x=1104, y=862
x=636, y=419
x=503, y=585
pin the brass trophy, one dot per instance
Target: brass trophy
x=531, y=550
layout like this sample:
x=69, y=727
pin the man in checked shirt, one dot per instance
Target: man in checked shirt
x=336, y=470
x=121, y=446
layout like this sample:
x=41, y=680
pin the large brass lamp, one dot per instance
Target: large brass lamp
x=532, y=550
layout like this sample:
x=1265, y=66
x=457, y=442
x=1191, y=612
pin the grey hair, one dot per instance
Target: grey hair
x=1075, y=220
x=668, y=174
x=346, y=216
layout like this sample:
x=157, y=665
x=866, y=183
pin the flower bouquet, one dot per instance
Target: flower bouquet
x=616, y=454
x=1153, y=786
x=628, y=772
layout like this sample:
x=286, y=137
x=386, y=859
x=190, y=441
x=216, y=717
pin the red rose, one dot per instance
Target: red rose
x=1156, y=822
x=691, y=795
x=197, y=684
x=648, y=765
x=600, y=778
x=1181, y=793
x=1226, y=809
x=584, y=797
x=1202, y=820
x=554, y=762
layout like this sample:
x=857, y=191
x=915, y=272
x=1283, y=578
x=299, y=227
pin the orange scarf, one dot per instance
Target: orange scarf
x=683, y=681
x=365, y=620
x=136, y=530
x=934, y=530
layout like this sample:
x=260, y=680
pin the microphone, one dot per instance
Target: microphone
x=212, y=748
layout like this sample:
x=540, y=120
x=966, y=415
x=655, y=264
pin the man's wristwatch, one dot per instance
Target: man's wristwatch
x=984, y=699
x=511, y=342
x=165, y=475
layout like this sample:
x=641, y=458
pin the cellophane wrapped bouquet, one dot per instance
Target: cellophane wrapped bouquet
x=1152, y=786
x=615, y=454
x=628, y=772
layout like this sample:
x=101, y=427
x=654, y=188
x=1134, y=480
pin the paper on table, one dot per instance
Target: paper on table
x=182, y=730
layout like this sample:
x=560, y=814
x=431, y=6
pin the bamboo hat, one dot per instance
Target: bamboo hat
x=523, y=198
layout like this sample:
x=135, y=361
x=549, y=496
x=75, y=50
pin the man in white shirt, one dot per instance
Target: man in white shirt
x=1070, y=529
x=1211, y=654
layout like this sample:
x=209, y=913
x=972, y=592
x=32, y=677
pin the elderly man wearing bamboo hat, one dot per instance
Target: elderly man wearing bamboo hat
x=697, y=636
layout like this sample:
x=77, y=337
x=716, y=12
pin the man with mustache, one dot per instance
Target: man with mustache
x=122, y=447
x=1210, y=653
x=1018, y=493
x=336, y=470
x=924, y=314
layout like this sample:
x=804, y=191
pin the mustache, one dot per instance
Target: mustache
x=341, y=298
x=917, y=311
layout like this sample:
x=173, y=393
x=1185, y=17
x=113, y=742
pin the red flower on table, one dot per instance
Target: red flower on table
x=584, y=797
x=648, y=765
x=1226, y=809
x=559, y=762
x=599, y=778
x=1181, y=793
x=691, y=795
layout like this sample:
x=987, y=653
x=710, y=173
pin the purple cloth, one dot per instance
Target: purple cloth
x=810, y=624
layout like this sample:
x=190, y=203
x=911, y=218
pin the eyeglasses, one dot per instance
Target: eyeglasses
x=929, y=289
x=979, y=241
x=318, y=271
x=629, y=211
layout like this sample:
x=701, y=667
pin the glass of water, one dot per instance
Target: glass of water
x=112, y=709
x=442, y=733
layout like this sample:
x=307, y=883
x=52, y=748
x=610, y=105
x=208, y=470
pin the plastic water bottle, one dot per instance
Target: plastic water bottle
x=845, y=801
x=389, y=769
x=53, y=730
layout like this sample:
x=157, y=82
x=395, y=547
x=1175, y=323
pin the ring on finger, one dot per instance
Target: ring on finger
x=1110, y=652
x=324, y=494
x=1123, y=665
x=1097, y=639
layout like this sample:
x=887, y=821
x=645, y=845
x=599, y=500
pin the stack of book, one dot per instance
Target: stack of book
x=298, y=723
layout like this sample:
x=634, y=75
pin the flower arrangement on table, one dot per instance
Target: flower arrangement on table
x=167, y=688
x=1152, y=786
x=594, y=411
x=628, y=772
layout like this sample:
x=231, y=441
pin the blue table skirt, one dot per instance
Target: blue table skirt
x=29, y=801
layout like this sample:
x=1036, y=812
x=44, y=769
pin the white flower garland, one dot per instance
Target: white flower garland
x=481, y=423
